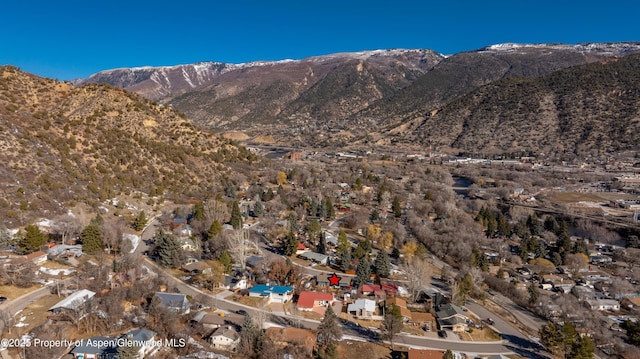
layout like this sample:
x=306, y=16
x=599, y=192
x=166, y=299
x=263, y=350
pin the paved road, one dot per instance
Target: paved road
x=514, y=340
x=15, y=305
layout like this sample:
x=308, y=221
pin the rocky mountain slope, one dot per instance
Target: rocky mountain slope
x=61, y=144
x=367, y=98
x=257, y=94
x=583, y=110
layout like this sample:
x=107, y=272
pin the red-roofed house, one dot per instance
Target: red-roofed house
x=301, y=248
x=315, y=301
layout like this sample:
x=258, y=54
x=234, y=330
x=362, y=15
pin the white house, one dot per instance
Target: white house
x=363, y=308
x=225, y=338
x=603, y=304
x=274, y=293
x=232, y=283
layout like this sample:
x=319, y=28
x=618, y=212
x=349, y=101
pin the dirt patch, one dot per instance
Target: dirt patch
x=264, y=139
x=247, y=300
x=235, y=135
x=357, y=349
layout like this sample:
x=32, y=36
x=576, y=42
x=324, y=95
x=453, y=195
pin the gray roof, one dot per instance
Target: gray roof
x=449, y=310
x=316, y=257
x=228, y=332
x=74, y=300
x=173, y=300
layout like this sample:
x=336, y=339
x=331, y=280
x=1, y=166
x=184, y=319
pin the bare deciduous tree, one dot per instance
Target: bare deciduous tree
x=418, y=273
x=239, y=244
x=66, y=227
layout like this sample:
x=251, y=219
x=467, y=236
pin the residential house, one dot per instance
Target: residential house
x=197, y=267
x=65, y=250
x=330, y=239
x=73, y=304
x=315, y=301
x=209, y=320
x=402, y=304
x=425, y=321
x=184, y=231
x=226, y=338
x=301, y=249
x=143, y=339
x=314, y=257
x=364, y=309
x=322, y=280
x=187, y=244
x=425, y=354
x=233, y=283
x=176, y=302
x=274, y=293
x=451, y=316
x=603, y=304
x=18, y=263
x=96, y=348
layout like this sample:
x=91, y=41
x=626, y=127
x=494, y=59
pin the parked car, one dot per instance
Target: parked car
x=3, y=299
x=489, y=321
x=442, y=333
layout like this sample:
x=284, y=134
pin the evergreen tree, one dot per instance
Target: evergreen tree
x=214, y=229
x=382, y=264
x=343, y=241
x=580, y=247
x=363, y=271
x=33, y=239
x=551, y=337
x=633, y=332
x=330, y=211
x=534, y=225
x=396, y=207
x=140, y=221
x=534, y=295
x=268, y=195
x=551, y=225
x=225, y=259
x=363, y=248
x=236, y=216
x=167, y=249
x=329, y=330
x=448, y=354
x=314, y=229
x=290, y=244
x=248, y=336
x=582, y=348
x=258, y=209
x=198, y=211
x=322, y=244
x=345, y=259
x=91, y=238
x=358, y=185
x=374, y=215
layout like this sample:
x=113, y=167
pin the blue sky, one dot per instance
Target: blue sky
x=72, y=39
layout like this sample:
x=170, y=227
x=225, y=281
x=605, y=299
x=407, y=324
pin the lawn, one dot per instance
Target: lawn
x=35, y=314
x=13, y=292
x=480, y=335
